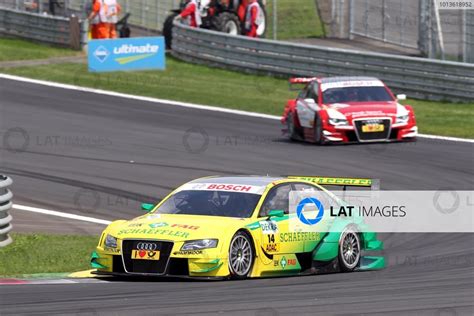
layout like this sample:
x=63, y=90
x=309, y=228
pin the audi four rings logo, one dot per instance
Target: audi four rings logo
x=146, y=246
x=375, y=121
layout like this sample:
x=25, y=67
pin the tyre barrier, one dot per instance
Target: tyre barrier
x=5, y=205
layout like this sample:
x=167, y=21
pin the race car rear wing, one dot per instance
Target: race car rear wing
x=373, y=184
x=300, y=81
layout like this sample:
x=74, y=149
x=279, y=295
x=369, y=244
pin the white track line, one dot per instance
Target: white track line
x=61, y=214
x=182, y=104
x=452, y=139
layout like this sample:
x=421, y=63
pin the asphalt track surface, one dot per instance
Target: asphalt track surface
x=100, y=156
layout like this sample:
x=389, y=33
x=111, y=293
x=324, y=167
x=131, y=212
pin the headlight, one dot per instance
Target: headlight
x=200, y=244
x=402, y=119
x=336, y=118
x=402, y=114
x=110, y=241
x=338, y=122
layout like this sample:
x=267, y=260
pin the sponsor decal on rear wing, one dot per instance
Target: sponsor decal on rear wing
x=373, y=184
x=351, y=83
x=300, y=81
x=226, y=187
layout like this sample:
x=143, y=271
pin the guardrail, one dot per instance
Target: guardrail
x=44, y=28
x=417, y=77
x=5, y=204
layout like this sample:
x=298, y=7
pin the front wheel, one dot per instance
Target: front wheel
x=349, y=250
x=241, y=256
x=318, y=131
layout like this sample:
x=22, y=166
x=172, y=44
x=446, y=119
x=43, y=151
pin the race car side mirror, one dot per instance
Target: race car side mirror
x=276, y=213
x=401, y=97
x=147, y=207
x=310, y=100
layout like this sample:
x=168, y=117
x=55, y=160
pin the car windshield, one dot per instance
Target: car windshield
x=211, y=203
x=356, y=94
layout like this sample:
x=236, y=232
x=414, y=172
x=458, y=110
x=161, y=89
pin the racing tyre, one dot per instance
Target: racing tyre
x=229, y=23
x=168, y=29
x=349, y=250
x=290, y=124
x=318, y=131
x=241, y=256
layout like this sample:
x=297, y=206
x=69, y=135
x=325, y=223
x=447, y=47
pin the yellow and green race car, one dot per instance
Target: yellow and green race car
x=232, y=227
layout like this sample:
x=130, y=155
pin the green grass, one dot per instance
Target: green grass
x=296, y=19
x=444, y=118
x=40, y=253
x=199, y=84
x=16, y=49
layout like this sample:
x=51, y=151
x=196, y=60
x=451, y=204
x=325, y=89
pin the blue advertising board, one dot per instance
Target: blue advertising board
x=141, y=53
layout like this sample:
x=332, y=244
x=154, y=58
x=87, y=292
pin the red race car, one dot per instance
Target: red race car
x=347, y=109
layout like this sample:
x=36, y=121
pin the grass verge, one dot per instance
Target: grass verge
x=41, y=253
x=17, y=49
x=295, y=19
x=444, y=118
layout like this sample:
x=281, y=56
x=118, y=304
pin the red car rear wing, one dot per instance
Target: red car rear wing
x=300, y=80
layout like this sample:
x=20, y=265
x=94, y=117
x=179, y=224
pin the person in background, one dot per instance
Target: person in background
x=52, y=6
x=109, y=12
x=252, y=18
x=98, y=29
x=191, y=14
x=103, y=19
x=242, y=9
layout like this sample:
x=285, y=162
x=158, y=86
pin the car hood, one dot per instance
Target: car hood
x=366, y=109
x=175, y=227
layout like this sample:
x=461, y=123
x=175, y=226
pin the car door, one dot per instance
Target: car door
x=307, y=105
x=312, y=239
x=276, y=237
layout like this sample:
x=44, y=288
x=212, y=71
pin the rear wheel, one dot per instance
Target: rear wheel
x=241, y=255
x=349, y=250
x=229, y=23
x=290, y=124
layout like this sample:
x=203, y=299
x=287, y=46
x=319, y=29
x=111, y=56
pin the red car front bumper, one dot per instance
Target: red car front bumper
x=352, y=134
